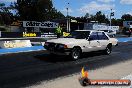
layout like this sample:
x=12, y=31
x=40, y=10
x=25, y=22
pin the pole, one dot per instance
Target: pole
x=110, y=17
x=67, y=21
x=69, y=25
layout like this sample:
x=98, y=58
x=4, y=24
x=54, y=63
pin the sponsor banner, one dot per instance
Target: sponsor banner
x=113, y=27
x=47, y=24
x=16, y=23
x=31, y=34
x=48, y=35
x=15, y=44
x=100, y=27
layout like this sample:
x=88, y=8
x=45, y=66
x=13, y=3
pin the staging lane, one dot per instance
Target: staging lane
x=24, y=69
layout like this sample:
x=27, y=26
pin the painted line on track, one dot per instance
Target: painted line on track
x=18, y=50
x=124, y=39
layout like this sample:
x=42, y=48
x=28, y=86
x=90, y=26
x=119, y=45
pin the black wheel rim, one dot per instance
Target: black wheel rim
x=76, y=54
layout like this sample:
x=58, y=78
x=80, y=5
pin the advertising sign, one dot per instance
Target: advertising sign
x=100, y=27
x=47, y=24
x=127, y=23
x=49, y=35
x=15, y=44
x=113, y=27
x=31, y=34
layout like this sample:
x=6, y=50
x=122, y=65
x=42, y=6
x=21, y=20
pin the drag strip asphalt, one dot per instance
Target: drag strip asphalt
x=25, y=69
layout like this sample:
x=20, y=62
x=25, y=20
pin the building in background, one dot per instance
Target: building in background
x=127, y=24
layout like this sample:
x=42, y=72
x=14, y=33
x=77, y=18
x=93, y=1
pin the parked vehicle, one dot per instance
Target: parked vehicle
x=81, y=41
x=111, y=33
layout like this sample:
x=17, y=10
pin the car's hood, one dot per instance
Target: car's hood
x=66, y=40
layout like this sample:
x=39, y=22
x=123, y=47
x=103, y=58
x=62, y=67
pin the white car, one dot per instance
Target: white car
x=111, y=33
x=80, y=41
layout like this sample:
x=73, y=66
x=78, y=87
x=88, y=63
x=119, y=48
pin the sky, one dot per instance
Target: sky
x=79, y=8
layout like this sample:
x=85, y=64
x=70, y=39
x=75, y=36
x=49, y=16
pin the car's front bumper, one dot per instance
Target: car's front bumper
x=58, y=51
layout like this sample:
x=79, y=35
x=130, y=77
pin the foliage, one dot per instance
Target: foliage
x=5, y=14
x=38, y=10
x=126, y=17
x=101, y=18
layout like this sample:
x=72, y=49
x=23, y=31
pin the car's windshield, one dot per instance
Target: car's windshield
x=79, y=34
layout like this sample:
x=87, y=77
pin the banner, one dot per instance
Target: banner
x=15, y=44
x=31, y=34
x=113, y=27
x=48, y=35
x=47, y=24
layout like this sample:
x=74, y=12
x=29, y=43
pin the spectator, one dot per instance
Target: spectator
x=58, y=31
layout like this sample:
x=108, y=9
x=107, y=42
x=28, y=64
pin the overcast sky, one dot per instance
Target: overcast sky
x=81, y=7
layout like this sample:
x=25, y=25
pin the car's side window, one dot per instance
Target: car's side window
x=93, y=36
x=102, y=36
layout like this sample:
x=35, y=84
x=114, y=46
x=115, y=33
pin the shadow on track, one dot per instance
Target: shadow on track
x=64, y=58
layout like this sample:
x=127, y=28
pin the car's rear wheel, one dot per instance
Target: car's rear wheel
x=108, y=49
x=75, y=53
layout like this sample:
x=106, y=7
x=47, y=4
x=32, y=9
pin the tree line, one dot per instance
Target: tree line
x=43, y=10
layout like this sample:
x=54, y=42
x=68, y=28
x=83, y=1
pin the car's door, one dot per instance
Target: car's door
x=93, y=43
x=103, y=40
x=84, y=43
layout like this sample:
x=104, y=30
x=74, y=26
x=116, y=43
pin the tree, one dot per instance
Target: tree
x=38, y=10
x=5, y=14
x=87, y=15
x=100, y=17
x=126, y=17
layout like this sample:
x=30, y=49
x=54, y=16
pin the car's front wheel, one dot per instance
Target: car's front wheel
x=108, y=49
x=75, y=53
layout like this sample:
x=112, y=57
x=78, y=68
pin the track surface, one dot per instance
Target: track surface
x=25, y=69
